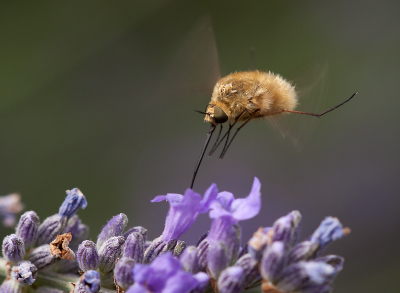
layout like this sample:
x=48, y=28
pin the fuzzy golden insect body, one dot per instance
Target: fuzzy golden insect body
x=248, y=92
x=243, y=96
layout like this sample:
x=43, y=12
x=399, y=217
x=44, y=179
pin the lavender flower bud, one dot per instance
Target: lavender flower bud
x=124, y=272
x=24, y=273
x=88, y=283
x=303, y=251
x=304, y=274
x=261, y=238
x=286, y=228
x=42, y=258
x=231, y=280
x=113, y=228
x=50, y=228
x=189, y=260
x=273, y=261
x=137, y=229
x=13, y=248
x=78, y=230
x=202, y=250
x=10, y=206
x=134, y=247
x=217, y=259
x=87, y=256
x=66, y=267
x=179, y=248
x=328, y=231
x=27, y=229
x=158, y=247
x=250, y=268
x=109, y=252
x=334, y=260
x=11, y=286
x=74, y=200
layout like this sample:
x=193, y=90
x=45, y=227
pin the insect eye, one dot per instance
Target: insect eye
x=219, y=115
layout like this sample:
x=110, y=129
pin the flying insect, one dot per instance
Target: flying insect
x=243, y=96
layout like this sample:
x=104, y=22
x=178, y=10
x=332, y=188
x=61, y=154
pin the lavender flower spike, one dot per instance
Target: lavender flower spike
x=24, y=273
x=74, y=200
x=13, y=248
x=184, y=210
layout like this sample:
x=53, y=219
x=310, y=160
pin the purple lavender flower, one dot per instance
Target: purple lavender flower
x=88, y=283
x=287, y=266
x=165, y=275
x=10, y=206
x=113, y=228
x=182, y=213
x=24, y=273
x=87, y=256
x=226, y=212
x=13, y=248
x=74, y=200
x=27, y=229
x=184, y=210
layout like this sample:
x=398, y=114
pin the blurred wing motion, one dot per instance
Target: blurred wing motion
x=310, y=87
x=194, y=67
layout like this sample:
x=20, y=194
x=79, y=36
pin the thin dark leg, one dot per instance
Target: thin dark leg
x=210, y=132
x=219, y=134
x=230, y=127
x=237, y=130
x=323, y=113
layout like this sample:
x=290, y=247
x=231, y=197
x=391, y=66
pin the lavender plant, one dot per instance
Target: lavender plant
x=272, y=261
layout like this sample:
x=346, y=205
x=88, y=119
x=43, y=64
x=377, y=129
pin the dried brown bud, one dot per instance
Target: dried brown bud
x=60, y=247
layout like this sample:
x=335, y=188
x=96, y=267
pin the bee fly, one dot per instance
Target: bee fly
x=243, y=96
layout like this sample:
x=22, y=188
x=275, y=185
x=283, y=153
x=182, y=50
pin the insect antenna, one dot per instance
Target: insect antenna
x=201, y=112
x=210, y=132
x=237, y=130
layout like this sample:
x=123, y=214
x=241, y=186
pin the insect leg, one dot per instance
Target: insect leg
x=315, y=114
x=210, y=132
x=219, y=134
x=237, y=130
x=227, y=133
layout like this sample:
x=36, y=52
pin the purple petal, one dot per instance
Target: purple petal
x=171, y=197
x=181, y=282
x=137, y=288
x=209, y=196
x=181, y=215
x=163, y=268
x=225, y=198
x=249, y=207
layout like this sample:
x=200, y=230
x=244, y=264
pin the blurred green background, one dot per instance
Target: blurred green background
x=100, y=95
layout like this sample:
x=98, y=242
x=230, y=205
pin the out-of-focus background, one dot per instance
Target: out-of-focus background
x=100, y=96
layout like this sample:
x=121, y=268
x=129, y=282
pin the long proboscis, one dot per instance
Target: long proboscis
x=210, y=132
